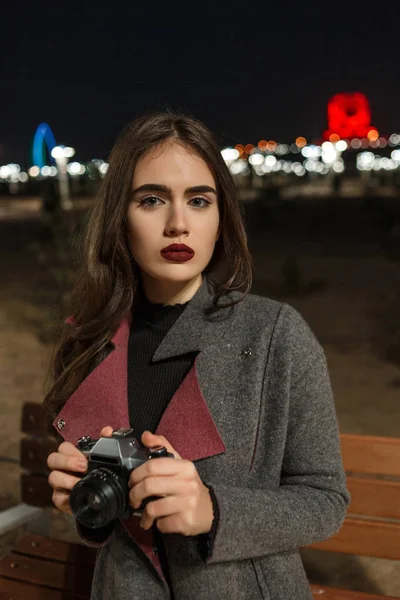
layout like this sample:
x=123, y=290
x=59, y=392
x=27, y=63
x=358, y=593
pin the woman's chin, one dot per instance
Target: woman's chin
x=174, y=273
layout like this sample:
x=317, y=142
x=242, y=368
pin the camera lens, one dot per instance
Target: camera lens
x=99, y=498
x=94, y=501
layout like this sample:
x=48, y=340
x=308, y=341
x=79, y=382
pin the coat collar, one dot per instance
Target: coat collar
x=194, y=330
x=186, y=335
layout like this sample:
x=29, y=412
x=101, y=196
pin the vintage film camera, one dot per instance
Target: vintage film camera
x=101, y=496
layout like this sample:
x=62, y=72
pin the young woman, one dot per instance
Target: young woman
x=166, y=339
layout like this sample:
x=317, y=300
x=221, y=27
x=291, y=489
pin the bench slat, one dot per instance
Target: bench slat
x=61, y=576
x=34, y=453
x=365, y=538
x=34, y=419
x=46, y=548
x=36, y=490
x=374, y=498
x=16, y=590
x=370, y=454
x=321, y=592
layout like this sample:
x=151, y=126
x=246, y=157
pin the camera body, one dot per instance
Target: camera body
x=102, y=495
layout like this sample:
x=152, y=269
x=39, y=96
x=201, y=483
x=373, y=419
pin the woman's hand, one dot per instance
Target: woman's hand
x=185, y=506
x=63, y=464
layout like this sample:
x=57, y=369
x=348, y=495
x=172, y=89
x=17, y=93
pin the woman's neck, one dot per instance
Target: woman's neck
x=167, y=292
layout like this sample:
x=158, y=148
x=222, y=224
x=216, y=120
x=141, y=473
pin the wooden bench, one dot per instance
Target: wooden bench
x=35, y=446
x=39, y=567
x=372, y=524
x=45, y=569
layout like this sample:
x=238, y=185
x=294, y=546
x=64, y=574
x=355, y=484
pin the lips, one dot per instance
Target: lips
x=177, y=253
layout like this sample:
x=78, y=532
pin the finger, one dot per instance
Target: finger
x=69, y=449
x=158, y=486
x=146, y=522
x=151, y=440
x=61, y=501
x=160, y=508
x=63, y=462
x=171, y=524
x=160, y=467
x=58, y=479
x=106, y=431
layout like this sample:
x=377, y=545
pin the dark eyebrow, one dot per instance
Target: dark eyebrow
x=156, y=187
x=201, y=189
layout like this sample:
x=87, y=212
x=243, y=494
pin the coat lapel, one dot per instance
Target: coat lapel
x=101, y=398
x=188, y=424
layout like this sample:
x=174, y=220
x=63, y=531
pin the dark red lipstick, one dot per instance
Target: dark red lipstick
x=177, y=253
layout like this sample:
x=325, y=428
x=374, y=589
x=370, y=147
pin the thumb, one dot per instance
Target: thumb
x=106, y=431
x=150, y=440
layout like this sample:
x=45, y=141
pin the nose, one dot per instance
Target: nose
x=176, y=224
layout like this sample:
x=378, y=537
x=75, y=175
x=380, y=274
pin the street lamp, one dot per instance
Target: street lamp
x=61, y=154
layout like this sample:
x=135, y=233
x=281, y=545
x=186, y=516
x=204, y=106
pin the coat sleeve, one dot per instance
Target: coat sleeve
x=311, y=501
x=205, y=541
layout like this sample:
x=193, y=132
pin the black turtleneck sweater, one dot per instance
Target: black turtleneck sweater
x=151, y=386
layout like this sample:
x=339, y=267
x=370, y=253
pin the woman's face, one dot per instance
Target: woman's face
x=174, y=201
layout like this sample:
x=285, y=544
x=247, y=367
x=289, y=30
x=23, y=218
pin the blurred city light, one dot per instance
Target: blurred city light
x=263, y=159
x=229, y=154
x=350, y=144
x=69, y=152
x=256, y=159
x=341, y=145
x=75, y=168
x=301, y=142
x=62, y=151
x=373, y=135
x=34, y=171
x=42, y=141
x=329, y=153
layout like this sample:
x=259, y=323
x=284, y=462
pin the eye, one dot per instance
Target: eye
x=200, y=202
x=149, y=201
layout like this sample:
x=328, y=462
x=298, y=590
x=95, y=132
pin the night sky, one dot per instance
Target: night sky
x=250, y=70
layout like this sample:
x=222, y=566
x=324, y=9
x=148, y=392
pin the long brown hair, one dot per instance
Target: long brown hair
x=106, y=285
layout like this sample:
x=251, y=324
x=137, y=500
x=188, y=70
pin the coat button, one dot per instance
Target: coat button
x=60, y=423
x=246, y=352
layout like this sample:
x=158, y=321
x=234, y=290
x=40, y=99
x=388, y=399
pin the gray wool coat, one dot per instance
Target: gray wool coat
x=257, y=418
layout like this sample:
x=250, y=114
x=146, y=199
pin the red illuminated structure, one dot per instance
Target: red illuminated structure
x=349, y=116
